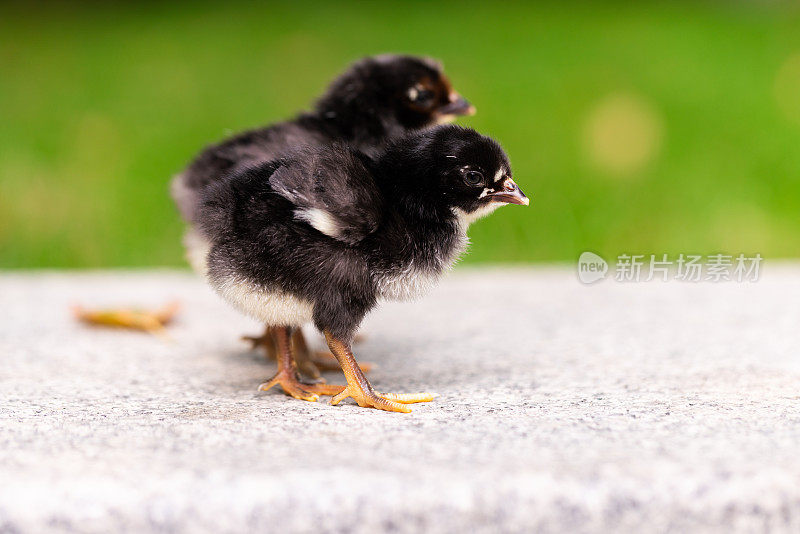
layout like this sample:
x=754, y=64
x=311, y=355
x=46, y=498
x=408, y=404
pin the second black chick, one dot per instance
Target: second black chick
x=287, y=250
x=377, y=98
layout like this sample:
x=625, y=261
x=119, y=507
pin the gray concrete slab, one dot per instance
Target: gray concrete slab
x=564, y=408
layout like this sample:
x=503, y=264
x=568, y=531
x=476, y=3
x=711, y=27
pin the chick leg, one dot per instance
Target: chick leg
x=305, y=363
x=302, y=355
x=286, y=376
x=308, y=363
x=361, y=390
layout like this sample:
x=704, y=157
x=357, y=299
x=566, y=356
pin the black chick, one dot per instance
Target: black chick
x=288, y=250
x=376, y=99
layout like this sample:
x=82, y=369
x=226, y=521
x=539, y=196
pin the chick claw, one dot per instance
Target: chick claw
x=391, y=402
x=300, y=390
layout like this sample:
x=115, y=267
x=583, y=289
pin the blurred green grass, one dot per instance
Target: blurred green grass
x=100, y=105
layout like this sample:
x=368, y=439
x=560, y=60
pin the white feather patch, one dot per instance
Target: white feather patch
x=197, y=249
x=498, y=175
x=321, y=220
x=273, y=308
x=408, y=284
x=465, y=219
x=413, y=282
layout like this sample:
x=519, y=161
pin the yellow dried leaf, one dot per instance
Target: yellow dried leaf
x=134, y=319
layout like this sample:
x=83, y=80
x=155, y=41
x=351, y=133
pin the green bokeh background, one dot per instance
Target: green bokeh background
x=100, y=105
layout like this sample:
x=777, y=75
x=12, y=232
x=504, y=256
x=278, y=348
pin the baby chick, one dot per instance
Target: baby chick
x=288, y=249
x=375, y=99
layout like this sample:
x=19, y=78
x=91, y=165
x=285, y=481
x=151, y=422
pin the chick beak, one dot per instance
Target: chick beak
x=510, y=194
x=457, y=105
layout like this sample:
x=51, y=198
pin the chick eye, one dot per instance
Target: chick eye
x=473, y=177
x=425, y=96
x=420, y=95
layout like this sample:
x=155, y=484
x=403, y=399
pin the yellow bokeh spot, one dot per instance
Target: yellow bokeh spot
x=622, y=134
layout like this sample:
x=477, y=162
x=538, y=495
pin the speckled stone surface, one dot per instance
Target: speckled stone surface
x=564, y=408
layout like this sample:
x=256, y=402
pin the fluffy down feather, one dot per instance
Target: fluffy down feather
x=340, y=201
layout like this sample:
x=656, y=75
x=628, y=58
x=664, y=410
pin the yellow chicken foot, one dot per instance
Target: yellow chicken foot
x=359, y=387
